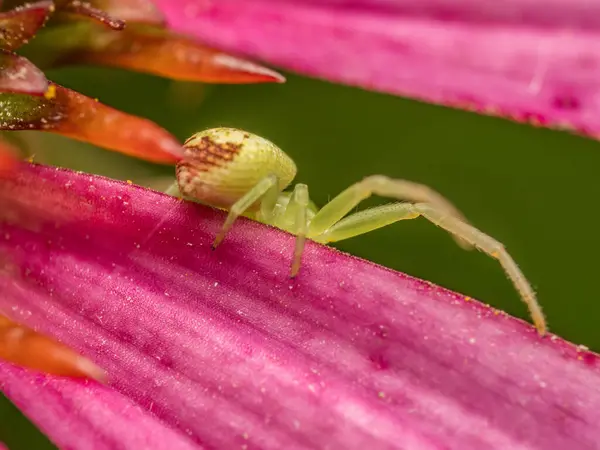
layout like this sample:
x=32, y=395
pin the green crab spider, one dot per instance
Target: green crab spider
x=246, y=175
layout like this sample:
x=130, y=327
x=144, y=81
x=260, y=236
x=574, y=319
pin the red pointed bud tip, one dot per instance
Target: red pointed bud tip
x=22, y=23
x=160, y=52
x=72, y=114
x=88, y=120
x=19, y=75
x=24, y=347
x=87, y=10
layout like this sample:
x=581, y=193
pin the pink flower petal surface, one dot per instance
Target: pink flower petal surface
x=528, y=60
x=79, y=414
x=222, y=350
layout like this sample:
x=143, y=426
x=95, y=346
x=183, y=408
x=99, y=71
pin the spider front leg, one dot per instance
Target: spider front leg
x=295, y=220
x=383, y=186
x=267, y=189
x=294, y=215
x=381, y=216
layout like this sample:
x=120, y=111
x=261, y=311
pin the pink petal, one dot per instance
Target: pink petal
x=222, y=350
x=80, y=411
x=529, y=60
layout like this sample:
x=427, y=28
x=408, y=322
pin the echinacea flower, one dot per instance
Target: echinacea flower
x=222, y=350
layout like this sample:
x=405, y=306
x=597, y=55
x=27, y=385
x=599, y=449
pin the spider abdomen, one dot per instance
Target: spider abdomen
x=220, y=165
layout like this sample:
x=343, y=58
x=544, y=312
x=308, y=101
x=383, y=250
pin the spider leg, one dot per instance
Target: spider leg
x=368, y=220
x=267, y=184
x=268, y=203
x=383, y=186
x=296, y=214
x=378, y=217
x=495, y=249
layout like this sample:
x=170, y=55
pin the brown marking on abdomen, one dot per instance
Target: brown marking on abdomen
x=206, y=153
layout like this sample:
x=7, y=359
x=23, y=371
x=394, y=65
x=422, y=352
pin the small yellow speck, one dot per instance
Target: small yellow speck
x=381, y=394
x=467, y=299
x=129, y=182
x=96, y=100
x=50, y=92
x=30, y=159
x=580, y=358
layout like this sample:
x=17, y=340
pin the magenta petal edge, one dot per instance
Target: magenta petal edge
x=221, y=350
x=527, y=60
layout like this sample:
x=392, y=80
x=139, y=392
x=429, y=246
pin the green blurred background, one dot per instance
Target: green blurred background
x=535, y=190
